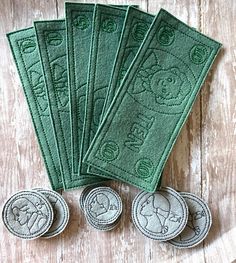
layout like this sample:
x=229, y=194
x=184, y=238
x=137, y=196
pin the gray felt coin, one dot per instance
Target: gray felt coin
x=103, y=205
x=161, y=215
x=84, y=194
x=27, y=214
x=199, y=223
x=60, y=209
x=99, y=227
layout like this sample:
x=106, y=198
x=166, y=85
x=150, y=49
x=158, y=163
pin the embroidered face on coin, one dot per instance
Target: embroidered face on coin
x=103, y=205
x=60, y=209
x=161, y=215
x=198, y=225
x=27, y=214
x=84, y=195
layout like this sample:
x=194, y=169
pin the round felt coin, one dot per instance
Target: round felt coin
x=60, y=209
x=99, y=227
x=198, y=225
x=161, y=215
x=84, y=194
x=27, y=214
x=103, y=205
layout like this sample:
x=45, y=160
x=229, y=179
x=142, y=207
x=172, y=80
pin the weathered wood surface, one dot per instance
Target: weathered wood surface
x=203, y=160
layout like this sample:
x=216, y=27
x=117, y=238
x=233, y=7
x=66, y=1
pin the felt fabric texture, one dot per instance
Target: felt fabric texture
x=107, y=27
x=137, y=134
x=160, y=216
x=79, y=18
x=25, y=52
x=27, y=214
x=51, y=39
x=198, y=225
x=135, y=28
x=102, y=208
x=60, y=209
x=107, y=227
x=103, y=205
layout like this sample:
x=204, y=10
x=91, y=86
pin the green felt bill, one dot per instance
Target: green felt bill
x=24, y=49
x=108, y=24
x=136, y=26
x=79, y=19
x=140, y=128
x=51, y=38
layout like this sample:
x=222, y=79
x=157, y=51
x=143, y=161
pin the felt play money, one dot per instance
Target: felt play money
x=95, y=225
x=161, y=215
x=84, y=194
x=107, y=27
x=156, y=95
x=198, y=225
x=79, y=18
x=79, y=22
x=51, y=38
x=60, y=211
x=103, y=205
x=136, y=26
x=102, y=208
x=28, y=214
x=24, y=49
x=102, y=227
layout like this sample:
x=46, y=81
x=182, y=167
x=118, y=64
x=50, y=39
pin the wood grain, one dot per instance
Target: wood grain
x=202, y=161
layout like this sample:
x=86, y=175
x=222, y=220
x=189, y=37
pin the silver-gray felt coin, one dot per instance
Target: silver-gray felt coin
x=161, y=215
x=199, y=223
x=27, y=214
x=60, y=209
x=103, y=205
x=99, y=227
x=84, y=194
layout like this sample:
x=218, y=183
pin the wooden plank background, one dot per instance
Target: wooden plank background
x=203, y=160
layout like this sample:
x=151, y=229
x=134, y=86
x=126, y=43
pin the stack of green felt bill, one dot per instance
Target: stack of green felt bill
x=109, y=88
